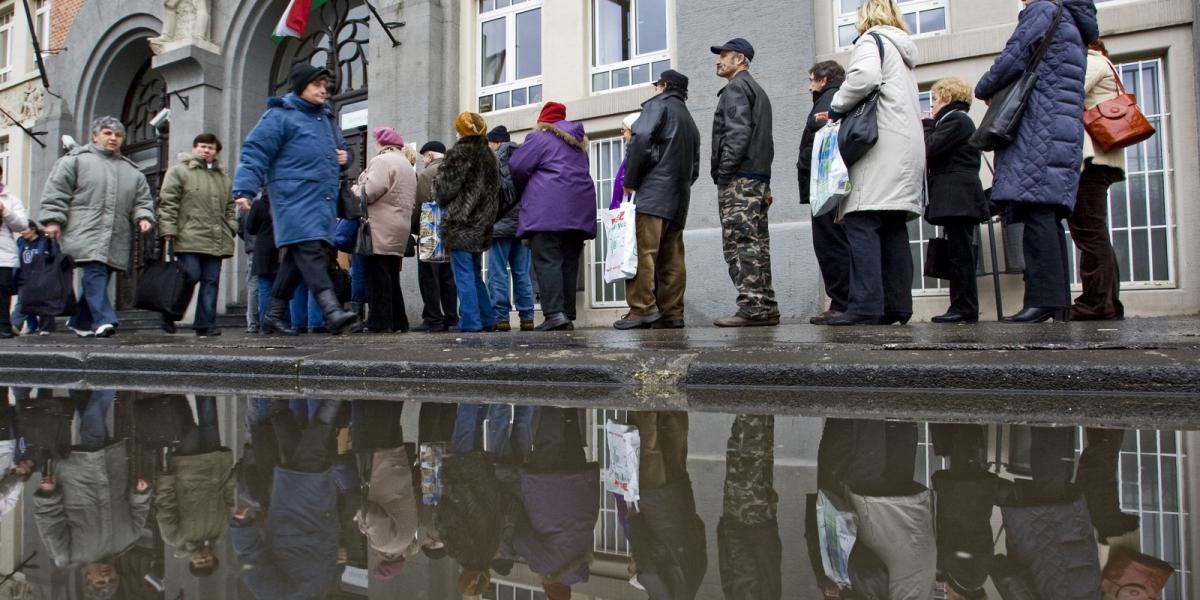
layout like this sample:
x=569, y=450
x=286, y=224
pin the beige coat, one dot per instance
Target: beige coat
x=391, y=519
x=1100, y=85
x=391, y=189
x=891, y=175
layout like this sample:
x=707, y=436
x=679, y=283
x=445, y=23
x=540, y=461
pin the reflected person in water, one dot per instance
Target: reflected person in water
x=86, y=509
x=748, y=541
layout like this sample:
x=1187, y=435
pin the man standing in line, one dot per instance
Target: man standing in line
x=92, y=195
x=298, y=152
x=829, y=237
x=197, y=216
x=507, y=251
x=662, y=163
x=742, y=151
x=438, y=292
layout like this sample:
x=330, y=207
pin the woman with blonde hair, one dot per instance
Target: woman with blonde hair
x=886, y=183
x=956, y=200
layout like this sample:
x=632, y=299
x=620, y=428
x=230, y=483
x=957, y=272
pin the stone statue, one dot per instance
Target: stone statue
x=31, y=103
x=184, y=22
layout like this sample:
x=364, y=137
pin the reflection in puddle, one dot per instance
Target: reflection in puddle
x=133, y=495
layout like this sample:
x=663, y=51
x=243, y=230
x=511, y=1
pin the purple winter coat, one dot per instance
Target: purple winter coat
x=562, y=509
x=550, y=171
x=618, y=187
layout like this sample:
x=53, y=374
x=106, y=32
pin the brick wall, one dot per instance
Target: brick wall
x=62, y=16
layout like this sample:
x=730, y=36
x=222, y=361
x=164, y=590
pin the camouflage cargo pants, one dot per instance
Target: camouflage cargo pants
x=750, y=496
x=746, y=243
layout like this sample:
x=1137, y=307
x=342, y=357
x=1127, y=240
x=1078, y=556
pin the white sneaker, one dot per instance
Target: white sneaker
x=105, y=330
x=43, y=332
x=83, y=332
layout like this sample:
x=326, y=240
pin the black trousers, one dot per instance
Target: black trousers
x=438, y=294
x=964, y=293
x=302, y=449
x=558, y=442
x=881, y=267
x=833, y=257
x=1045, y=246
x=873, y=458
x=384, y=297
x=556, y=265
x=307, y=262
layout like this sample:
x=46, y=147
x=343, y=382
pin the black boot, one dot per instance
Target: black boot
x=276, y=320
x=337, y=319
x=1096, y=475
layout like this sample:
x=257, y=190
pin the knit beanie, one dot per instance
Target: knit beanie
x=499, y=134
x=433, y=146
x=386, y=136
x=470, y=124
x=304, y=74
x=553, y=112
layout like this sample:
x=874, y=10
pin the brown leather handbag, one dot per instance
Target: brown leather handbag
x=1117, y=123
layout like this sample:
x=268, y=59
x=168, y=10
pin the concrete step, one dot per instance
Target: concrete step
x=140, y=320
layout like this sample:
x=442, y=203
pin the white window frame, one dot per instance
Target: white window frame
x=5, y=156
x=919, y=234
x=8, y=13
x=600, y=294
x=907, y=6
x=648, y=59
x=509, y=14
x=43, y=13
x=608, y=537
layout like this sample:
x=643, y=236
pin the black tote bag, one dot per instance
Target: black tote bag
x=860, y=127
x=48, y=283
x=164, y=287
x=937, y=259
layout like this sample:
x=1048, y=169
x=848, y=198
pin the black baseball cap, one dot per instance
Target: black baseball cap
x=673, y=77
x=739, y=45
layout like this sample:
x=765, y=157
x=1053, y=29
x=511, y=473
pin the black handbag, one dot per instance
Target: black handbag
x=410, y=249
x=48, y=283
x=860, y=127
x=164, y=287
x=363, y=246
x=1005, y=109
x=937, y=259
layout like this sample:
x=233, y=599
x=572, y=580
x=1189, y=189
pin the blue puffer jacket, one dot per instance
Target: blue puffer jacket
x=293, y=150
x=294, y=555
x=1042, y=164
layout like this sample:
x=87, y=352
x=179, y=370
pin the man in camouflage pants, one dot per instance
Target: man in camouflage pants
x=742, y=151
x=748, y=541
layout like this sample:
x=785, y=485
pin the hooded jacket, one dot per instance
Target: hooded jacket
x=663, y=158
x=742, y=141
x=97, y=197
x=891, y=175
x=196, y=206
x=16, y=219
x=293, y=151
x=390, y=185
x=553, y=179
x=1042, y=163
x=194, y=500
x=955, y=192
x=562, y=507
x=466, y=187
x=821, y=102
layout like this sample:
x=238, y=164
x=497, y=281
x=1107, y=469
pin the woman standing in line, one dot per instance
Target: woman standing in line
x=389, y=185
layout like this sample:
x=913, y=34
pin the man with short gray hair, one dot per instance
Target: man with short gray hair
x=91, y=199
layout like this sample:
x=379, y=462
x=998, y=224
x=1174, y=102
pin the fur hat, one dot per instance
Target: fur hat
x=553, y=112
x=470, y=124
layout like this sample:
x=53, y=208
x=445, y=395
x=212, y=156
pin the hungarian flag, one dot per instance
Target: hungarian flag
x=295, y=19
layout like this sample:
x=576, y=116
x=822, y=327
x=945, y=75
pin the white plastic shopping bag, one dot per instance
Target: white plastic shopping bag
x=624, y=448
x=829, y=182
x=837, y=529
x=429, y=243
x=620, y=234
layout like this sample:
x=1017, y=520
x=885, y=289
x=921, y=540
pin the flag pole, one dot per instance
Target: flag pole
x=387, y=26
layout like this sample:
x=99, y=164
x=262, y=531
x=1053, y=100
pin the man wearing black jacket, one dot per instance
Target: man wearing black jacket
x=829, y=238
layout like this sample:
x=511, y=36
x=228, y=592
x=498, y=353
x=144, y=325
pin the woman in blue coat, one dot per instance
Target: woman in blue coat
x=1038, y=173
x=298, y=151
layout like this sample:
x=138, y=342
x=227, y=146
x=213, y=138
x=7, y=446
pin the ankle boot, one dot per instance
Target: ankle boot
x=276, y=319
x=359, y=309
x=337, y=320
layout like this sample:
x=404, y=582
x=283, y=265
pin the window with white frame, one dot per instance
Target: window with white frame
x=510, y=54
x=41, y=21
x=924, y=17
x=605, y=160
x=6, y=43
x=505, y=590
x=609, y=536
x=1151, y=470
x=5, y=153
x=1140, y=219
x=920, y=232
x=629, y=43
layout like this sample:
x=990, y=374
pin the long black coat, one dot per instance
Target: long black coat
x=664, y=158
x=821, y=102
x=466, y=187
x=952, y=167
x=506, y=224
x=668, y=542
x=259, y=225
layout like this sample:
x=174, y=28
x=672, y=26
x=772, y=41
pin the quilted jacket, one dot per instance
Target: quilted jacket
x=1056, y=547
x=1042, y=163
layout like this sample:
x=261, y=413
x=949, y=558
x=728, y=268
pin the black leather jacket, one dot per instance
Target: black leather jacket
x=742, y=142
x=664, y=158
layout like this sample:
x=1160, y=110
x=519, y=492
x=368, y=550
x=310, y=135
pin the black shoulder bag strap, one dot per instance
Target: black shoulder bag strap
x=1047, y=40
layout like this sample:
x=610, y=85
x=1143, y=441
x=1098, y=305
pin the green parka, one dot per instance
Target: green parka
x=97, y=197
x=195, y=500
x=196, y=206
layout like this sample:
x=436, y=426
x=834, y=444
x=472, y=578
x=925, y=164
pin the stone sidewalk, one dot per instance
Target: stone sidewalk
x=1137, y=372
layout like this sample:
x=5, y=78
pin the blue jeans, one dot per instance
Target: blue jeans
x=93, y=424
x=205, y=270
x=474, y=304
x=95, y=293
x=506, y=253
x=305, y=310
x=505, y=428
x=358, y=279
x=265, y=283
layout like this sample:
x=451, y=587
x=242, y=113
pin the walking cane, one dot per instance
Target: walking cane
x=992, y=243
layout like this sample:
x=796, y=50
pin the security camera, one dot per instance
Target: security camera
x=162, y=118
x=69, y=143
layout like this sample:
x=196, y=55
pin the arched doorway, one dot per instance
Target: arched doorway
x=147, y=148
x=338, y=41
